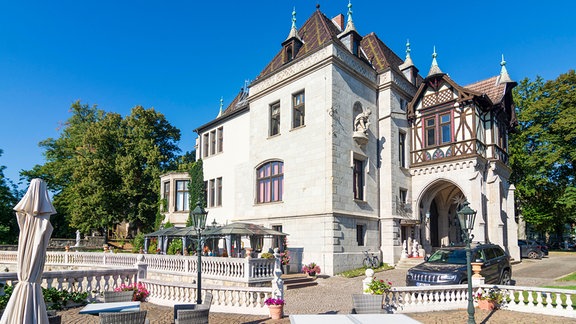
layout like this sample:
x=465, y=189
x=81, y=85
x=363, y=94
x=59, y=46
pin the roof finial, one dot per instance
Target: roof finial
x=293, y=29
x=407, y=48
x=503, y=77
x=350, y=23
x=221, y=105
x=434, y=69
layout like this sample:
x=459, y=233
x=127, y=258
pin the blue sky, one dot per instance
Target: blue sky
x=181, y=56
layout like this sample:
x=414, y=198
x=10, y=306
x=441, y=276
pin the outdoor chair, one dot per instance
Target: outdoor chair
x=123, y=318
x=205, y=305
x=367, y=304
x=118, y=296
x=192, y=316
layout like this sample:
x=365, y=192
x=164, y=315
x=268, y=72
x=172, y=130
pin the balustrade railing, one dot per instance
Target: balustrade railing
x=218, y=268
x=239, y=300
x=547, y=301
x=93, y=281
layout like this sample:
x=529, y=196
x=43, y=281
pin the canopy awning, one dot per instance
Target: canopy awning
x=247, y=229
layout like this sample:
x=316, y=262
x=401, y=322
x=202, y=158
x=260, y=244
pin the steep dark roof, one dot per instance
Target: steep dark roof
x=495, y=91
x=381, y=56
x=316, y=32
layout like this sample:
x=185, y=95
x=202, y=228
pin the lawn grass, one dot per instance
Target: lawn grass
x=361, y=271
x=570, y=277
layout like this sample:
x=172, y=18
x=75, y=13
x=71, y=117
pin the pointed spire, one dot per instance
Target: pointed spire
x=221, y=105
x=408, y=61
x=434, y=69
x=293, y=30
x=503, y=77
x=350, y=23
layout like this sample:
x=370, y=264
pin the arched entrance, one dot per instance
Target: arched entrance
x=439, y=224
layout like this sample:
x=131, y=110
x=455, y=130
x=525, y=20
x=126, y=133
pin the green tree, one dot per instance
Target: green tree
x=195, y=188
x=105, y=169
x=8, y=199
x=542, y=154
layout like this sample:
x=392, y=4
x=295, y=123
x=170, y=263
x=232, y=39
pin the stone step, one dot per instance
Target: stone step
x=408, y=263
x=294, y=281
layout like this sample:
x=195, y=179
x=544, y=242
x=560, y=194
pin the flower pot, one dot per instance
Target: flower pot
x=276, y=311
x=285, y=268
x=312, y=274
x=486, y=304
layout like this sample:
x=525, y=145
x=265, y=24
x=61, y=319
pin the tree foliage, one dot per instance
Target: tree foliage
x=542, y=153
x=8, y=199
x=105, y=169
x=195, y=188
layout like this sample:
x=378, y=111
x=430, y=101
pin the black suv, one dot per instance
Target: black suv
x=447, y=266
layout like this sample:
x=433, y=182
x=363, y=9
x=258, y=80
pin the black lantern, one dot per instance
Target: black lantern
x=467, y=216
x=199, y=217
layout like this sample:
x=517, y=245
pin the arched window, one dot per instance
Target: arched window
x=270, y=182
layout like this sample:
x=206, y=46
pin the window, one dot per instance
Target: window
x=166, y=195
x=277, y=240
x=402, y=149
x=270, y=182
x=206, y=143
x=441, y=129
x=211, y=192
x=274, y=119
x=220, y=132
x=205, y=198
x=358, y=180
x=298, y=110
x=403, y=196
x=403, y=104
x=218, y=191
x=213, y=142
x=445, y=129
x=182, y=195
x=360, y=231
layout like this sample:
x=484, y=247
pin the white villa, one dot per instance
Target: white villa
x=343, y=145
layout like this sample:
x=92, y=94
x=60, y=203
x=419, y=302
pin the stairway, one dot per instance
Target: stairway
x=298, y=280
x=408, y=263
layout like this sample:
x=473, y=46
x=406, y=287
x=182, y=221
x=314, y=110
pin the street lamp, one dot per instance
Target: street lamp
x=199, y=217
x=466, y=216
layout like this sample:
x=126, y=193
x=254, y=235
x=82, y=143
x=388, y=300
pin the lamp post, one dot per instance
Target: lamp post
x=199, y=218
x=466, y=216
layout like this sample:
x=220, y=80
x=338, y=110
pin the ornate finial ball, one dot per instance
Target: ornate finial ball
x=369, y=273
x=318, y=6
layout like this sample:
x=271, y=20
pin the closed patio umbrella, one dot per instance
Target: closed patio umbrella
x=26, y=305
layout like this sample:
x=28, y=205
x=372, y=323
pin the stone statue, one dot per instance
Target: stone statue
x=362, y=121
x=77, y=238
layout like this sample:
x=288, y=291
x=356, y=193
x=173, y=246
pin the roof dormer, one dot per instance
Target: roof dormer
x=293, y=42
x=350, y=37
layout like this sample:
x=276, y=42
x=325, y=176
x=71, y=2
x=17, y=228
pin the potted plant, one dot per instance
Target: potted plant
x=378, y=287
x=311, y=269
x=276, y=307
x=140, y=291
x=489, y=299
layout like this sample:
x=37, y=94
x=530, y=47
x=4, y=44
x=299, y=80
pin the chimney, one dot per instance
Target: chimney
x=339, y=21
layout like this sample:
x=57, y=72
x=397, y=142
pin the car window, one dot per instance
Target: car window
x=448, y=256
x=521, y=242
x=489, y=254
x=478, y=254
x=498, y=251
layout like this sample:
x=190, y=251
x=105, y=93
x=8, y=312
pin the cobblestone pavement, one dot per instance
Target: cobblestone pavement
x=332, y=295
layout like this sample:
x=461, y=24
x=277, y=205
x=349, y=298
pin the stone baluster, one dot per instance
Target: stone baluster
x=142, y=267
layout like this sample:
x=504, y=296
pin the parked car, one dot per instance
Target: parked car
x=447, y=266
x=543, y=247
x=529, y=249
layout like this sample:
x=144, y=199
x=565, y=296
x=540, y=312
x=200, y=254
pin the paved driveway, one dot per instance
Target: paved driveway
x=544, y=272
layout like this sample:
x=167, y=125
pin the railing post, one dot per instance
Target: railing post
x=477, y=278
x=142, y=267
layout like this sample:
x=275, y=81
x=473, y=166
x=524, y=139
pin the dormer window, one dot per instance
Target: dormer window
x=289, y=53
x=355, y=46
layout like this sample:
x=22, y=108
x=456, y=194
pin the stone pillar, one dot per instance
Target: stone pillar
x=142, y=267
x=277, y=282
x=369, y=277
x=477, y=278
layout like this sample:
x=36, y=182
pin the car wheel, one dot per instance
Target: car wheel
x=533, y=255
x=505, y=279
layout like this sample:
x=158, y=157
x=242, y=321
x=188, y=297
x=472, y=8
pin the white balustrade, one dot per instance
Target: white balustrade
x=217, y=268
x=238, y=300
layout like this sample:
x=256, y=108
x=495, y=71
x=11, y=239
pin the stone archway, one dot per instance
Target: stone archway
x=439, y=225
